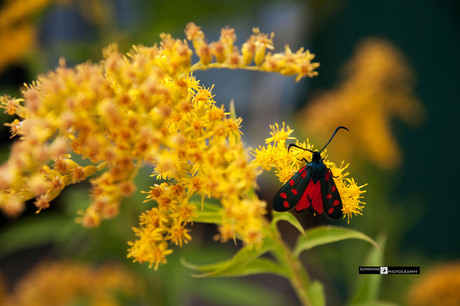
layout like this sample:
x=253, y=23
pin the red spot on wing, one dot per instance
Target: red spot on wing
x=291, y=182
x=312, y=195
x=333, y=188
x=294, y=191
x=336, y=202
x=326, y=176
x=303, y=174
x=329, y=196
x=283, y=195
x=286, y=204
x=330, y=211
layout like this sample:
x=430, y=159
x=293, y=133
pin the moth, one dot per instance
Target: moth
x=312, y=188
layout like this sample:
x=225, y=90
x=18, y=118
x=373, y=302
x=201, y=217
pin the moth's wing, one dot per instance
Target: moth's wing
x=332, y=201
x=291, y=192
x=311, y=198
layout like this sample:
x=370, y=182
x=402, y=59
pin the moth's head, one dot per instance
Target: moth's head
x=316, y=156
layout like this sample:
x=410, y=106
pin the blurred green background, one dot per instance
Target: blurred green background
x=413, y=205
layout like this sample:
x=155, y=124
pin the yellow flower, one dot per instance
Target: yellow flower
x=178, y=234
x=439, y=286
x=377, y=86
x=279, y=136
x=276, y=155
x=227, y=55
x=67, y=283
x=15, y=42
x=14, y=11
x=17, y=33
x=145, y=107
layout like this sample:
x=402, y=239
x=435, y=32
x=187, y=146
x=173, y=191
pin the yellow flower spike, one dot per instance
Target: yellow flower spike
x=438, y=286
x=279, y=136
x=68, y=283
x=378, y=85
x=227, y=55
x=17, y=33
x=146, y=107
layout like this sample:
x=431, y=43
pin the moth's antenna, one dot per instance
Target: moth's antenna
x=295, y=146
x=336, y=130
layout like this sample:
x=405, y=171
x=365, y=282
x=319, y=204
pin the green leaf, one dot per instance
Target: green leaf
x=278, y=216
x=369, y=284
x=208, y=217
x=228, y=291
x=327, y=234
x=239, y=268
x=245, y=262
x=211, y=213
x=232, y=109
x=316, y=293
x=208, y=206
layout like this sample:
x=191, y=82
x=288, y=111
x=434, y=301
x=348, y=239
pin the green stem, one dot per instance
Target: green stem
x=298, y=276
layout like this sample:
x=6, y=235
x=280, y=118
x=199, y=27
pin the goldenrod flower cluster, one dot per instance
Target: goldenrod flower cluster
x=378, y=86
x=254, y=50
x=69, y=283
x=439, y=286
x=146, y=107
x=275, y=155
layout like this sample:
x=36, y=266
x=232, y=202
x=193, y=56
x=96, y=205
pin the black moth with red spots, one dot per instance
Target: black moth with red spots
x=312, y=188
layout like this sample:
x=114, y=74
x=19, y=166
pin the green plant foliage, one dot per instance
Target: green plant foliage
x=327, y=234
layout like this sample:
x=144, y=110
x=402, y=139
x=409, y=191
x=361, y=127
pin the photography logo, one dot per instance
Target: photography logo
x=388, y=270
